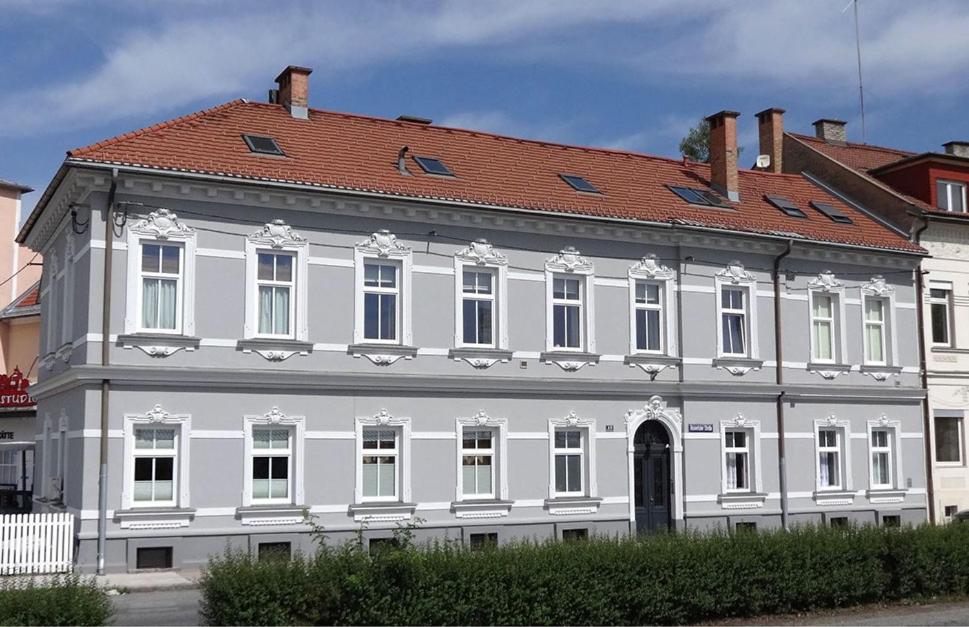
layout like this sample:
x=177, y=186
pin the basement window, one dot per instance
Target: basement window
x=832, y=212
x=785, y=205
x=580, y=184
x=262, y=145
x=433, y=166
x=702, y=197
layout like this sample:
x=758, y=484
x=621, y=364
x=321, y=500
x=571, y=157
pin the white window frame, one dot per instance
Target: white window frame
x=383, y=247
x=479, y=256
x=894, y=450
x=957, y=415
x=179, y=287
x=164, y=228
x=275, y=419
x=273, y=453
x=949, y=185
x=648, y=270
x=158, y=418
x=843, y=430
x=734, y=276
x=587, y=427
x=277, y=283
x=570, y=264
x=499, y=464
x=878, y=288
x=948, y=301
x=278, y=237
x=402, y=426
x=825, y=284
x=754, y=476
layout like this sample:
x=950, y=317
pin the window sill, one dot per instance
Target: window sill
x=480, y=357
x=949, y=349
x=481, y=508
x=154, y=517
x=834, y=497
x=828, y=370
x=271, y=514
x=382, y=354
x=886, y=495
x=393, y=511
x=158, y=344
x=274, y=349
x=566, y=505
x=570, y=361
x=881, y=373
x=652, y=363
x=738, y=366
x=742, y=500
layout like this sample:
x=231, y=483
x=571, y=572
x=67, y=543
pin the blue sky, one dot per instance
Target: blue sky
x=632, y=75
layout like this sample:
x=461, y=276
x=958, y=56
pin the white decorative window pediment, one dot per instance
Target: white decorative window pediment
x=649, y=268
x=481, y=252
x=162, y=224
x=569, y=260
x=826, y=282
x=278, y=235
x=735, y=274
x=383, y=243
x=877, y=287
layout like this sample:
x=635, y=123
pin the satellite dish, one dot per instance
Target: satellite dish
x=763, y=161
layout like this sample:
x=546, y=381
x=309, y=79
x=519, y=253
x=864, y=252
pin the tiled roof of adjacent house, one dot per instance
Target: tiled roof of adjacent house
x=359, y=154
x=858, y=156
x=27, y=304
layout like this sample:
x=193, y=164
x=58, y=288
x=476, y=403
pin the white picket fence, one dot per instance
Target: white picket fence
x=36, y=543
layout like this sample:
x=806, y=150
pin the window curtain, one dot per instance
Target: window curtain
x=266, y=310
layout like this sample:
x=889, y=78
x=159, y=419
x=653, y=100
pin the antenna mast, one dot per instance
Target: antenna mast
x=861, y=88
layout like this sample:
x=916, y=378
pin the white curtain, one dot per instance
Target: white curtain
x=266, y=310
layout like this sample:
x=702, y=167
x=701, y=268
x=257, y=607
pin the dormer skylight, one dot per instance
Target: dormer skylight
x=786, y=206
x=703, y=197
x=262, y=145
x=433, y=166
x=832, y=212
x=579, y=183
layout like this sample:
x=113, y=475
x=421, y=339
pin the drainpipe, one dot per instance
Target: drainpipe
x=924, y=370
x=105, y=359
x=779, y=370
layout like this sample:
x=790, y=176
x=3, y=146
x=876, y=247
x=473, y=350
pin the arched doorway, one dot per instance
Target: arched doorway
x=653, y=485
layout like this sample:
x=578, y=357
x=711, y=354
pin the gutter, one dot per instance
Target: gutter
x=779, y=380
x=923, y=369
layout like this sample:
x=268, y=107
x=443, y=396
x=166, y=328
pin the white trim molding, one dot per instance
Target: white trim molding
x=297, y=426
x=278, y=237
x=480, y=254
x=753, y=496
x=843, y=495
x=499, y=506
x=376, y=509
x=649, y=270
x=383, y=246
x=734, y=275
x=826, y=283
x=569, y=263
x=897, y=491
x=588, y=501
x=656, y=409
x=878, y=288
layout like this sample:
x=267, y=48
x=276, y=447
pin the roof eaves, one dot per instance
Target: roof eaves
x=23, y=189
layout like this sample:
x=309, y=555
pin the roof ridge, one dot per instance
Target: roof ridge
x=848, y=144
x=154, y=127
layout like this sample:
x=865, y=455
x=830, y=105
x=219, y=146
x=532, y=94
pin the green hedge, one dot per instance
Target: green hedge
x=665, y=579
x=60, y=600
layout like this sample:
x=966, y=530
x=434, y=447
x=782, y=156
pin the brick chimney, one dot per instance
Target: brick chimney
x=723, y=153
x=832, y=131
x=294, y=90
x=956, y=149
x=770, y=128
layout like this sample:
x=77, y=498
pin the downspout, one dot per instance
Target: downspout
x=923, y=369
x=105, y=360
x=779, y=379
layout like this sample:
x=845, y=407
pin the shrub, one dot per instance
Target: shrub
x=665, y=579
x=60, y=600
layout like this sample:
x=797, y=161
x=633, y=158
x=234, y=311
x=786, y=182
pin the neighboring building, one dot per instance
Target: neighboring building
x=385, y=320
x=923, y=196
x=19, y=340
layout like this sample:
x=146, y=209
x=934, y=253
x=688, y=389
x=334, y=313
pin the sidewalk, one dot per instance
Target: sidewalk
x=149, y=581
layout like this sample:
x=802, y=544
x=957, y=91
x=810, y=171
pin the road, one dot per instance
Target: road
x=164, y=607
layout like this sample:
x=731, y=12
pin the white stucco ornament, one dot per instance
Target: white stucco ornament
x=649, y=267
x=277, y=234
x=482, y=253
x=156, y=414
x=735, y=273
x=274, y=416
x=877, y=286
x=481, y=418
x=825, y=282
x=382, y=417
x=162, y=224
x=569, y=260
x=383, y=243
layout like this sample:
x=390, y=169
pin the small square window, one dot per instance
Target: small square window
x=383, y=544
x=482, y=541
x=572, y=535
x=838, y=521
x=745, y=527
x=950, y=510
x=269, y=551
x=891, y=521
x=262, y=145
x=433, y=166
x=153, y=557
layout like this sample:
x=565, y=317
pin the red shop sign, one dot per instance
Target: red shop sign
x=13, y=390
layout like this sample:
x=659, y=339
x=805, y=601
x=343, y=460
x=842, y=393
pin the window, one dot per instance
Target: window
x=579, y=183
x=433, y=166
x=378, y=545
x=153, y=557
x=648, y=304
x=822, y=327
x=891, y=521
x=745, y=527
x=838, y=521
x=698, y=196
x=478, y=463
x=948, y=439
x=161, y=287
x=832, y=212
x=154, y=476
x=733, y=311
x=737, y=452
x=271, y=464
x=567, y=312
x=950, y=196
x=882, y=465
x=482, y=541
x=262, y=145
x=785, y=205
x=478, y=307
x=274, y=551
x=569, y=455
x=379, y=463
x=574, y=535
x=940, y=304
x=380, y=302
x=829, y=458
x=950, y=510
x=875, y=330
x=275, y=281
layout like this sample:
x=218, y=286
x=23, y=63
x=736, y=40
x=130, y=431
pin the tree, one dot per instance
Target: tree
x=696, y=145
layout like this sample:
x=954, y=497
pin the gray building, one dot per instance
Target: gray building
x=388, y=322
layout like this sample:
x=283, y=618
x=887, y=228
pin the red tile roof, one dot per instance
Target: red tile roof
x=858, y=156
x=27, y=304
x=359, y=153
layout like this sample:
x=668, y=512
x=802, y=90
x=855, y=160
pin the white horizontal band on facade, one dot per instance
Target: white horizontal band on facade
x=220, y=253
x=713, y=498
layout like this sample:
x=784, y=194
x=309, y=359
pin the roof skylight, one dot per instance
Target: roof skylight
x=786, y=206
x=832, y=212
x=433, y=166
x=262, y=145
x=703, y=197
x=579, y=183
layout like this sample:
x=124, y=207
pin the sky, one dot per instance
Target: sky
x=633, y=75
